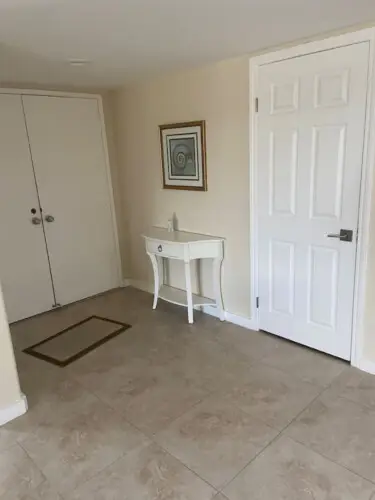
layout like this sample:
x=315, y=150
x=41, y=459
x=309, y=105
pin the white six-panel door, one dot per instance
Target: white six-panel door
x=310, y=132
x=24, y=270
x=68, y=154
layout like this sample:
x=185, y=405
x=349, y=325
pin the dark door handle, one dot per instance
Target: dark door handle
x=36, y=221
x=344, y=235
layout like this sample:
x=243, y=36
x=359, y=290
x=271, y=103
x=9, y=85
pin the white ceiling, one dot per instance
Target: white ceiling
x=129, y=39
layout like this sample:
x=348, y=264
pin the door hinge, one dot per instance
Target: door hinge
x=257, y=302
x=256, y=105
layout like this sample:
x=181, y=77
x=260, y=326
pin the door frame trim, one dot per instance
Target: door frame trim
x=99, y=99
x=358, y=357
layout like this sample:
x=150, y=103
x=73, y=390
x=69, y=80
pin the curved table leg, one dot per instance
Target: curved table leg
x=189, y=294
x=217, y=286
x=155, y=268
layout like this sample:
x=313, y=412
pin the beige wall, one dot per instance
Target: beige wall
x=9, y=384
x=219, y=95
x=119, y=201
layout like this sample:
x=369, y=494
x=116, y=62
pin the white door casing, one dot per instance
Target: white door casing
x=70, y=167
x=24, y=269
x=310, y=132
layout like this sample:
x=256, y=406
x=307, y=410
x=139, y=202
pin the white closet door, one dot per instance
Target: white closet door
x=69, y=161
x=24, y=269
x=310, y=143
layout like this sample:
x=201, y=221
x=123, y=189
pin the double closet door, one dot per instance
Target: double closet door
x=58, y=242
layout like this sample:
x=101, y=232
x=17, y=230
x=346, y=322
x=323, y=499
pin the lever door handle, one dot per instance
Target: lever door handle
x=344, y=235
x=36, y=221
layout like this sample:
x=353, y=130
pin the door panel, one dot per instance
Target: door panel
x=283, y=148
x=282, y=277
x=327, y=168
x=310, y=130
x=323, y=267
x=24, y=269
x=67, y=147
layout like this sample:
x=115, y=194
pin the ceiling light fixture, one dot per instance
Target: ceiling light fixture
x=79, y=62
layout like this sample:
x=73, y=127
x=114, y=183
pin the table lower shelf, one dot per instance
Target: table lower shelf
x=179, y=297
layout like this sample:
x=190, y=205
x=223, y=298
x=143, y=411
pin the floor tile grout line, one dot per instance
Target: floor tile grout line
x=315, y=451
x=342, y=396
x=34, y=463
x=362, y=405
x=286, y=372
x=272, y=441
x=347, y=398
x=150, y=436
x=219, y=393
x=123, y=413
x=63, y=495
x=258, y=420
x=152, y=440
x=250, y=461
x=319, y=453
x=331, y=460
x=187, y=467
x=183, y=413
x=119, y=414
x=261, y=420
x=80, y=485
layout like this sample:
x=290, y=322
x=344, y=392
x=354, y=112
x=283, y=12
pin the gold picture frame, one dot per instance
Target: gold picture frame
x=183, y=155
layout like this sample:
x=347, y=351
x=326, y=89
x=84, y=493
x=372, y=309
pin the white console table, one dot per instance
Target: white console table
x=182, y=245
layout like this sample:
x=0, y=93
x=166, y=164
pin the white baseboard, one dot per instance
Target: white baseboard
x=125, y=283
x=366, y=366
x=249, y=323
x=231, y=318
x=142, y=285
x=212, y=311
x=14, y=410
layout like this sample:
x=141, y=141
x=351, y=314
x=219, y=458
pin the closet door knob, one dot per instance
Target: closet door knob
x=36, y=221
x=49, y=218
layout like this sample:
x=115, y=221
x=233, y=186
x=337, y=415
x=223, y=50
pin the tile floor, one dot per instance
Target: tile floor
x=171, y=411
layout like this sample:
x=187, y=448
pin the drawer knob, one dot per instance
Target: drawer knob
x=160, y=248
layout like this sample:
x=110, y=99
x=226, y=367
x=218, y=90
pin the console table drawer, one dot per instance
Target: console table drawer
x=173, y=250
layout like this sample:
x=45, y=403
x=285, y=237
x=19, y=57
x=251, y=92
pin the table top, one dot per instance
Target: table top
x=162, y=234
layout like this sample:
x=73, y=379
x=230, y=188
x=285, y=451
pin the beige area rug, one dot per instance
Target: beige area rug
x=79, y=339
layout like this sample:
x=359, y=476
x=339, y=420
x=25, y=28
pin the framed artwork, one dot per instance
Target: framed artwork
x=183, y=153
